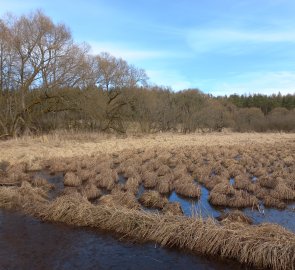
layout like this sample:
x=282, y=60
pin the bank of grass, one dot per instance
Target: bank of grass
x=261, y=246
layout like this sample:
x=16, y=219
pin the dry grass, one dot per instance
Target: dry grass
x=172, y=208
x=235, y=216
x=91, y=192
x=149, y=179
x=267, y=245
x=72, y=180
x=164, y=185
x=22, y=197
x=153, y=199
x=42, y=183
x=162, y=162
x=225, y=195
x=120, y=199
x=106, y=179
x=187, y=189
x=132, y=185
x=34, y=150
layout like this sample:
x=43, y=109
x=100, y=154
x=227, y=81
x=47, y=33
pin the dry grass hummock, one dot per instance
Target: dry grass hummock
x=106, y=179
x=120, y=199
x=268, y=182
x=91, y=192
x=282, y=191
x=149, y=179
x=72, y=180
x=164, y=185
x=163, y=170
x=153, y=199
x=42, y=183
x=235, y=199
x=235, y=216
x=269, y=201
x=21, y=197
x=187, y=189
x=132, y=185
x=173, y=208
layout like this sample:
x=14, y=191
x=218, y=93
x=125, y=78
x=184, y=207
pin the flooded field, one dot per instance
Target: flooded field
x=152, y=207
x=27, y=243
x=199, y=207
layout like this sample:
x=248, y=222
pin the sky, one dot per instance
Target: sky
x=221, y=47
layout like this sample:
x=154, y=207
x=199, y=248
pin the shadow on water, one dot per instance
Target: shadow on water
x=27, y=243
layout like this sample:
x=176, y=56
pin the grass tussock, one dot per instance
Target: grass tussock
x=120, y=199
x=153, y=199
x=91, y=192
x=225, y=195
x=163, y=170
x=107, y=179
x=235, y=216
x=132, y=185
x=172, y=208
x=21, y=197
x=187, y=189
x=164, y=185
x=149, y=179
x=42, y=183
x=72, y=180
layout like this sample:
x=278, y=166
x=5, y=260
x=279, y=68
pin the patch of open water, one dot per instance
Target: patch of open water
x=27, y=243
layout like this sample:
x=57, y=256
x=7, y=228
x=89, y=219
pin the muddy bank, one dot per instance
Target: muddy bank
x=27, y=243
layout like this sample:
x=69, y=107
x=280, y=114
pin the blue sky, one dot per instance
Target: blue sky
x=219, y=46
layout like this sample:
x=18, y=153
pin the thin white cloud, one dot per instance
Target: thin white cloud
x=258, y=82
x=234, y=40
x=131, y=54
x=169, y=78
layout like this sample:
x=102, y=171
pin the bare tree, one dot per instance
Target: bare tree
x=37, y=55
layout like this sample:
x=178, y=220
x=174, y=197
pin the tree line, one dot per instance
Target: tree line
x=48, y=82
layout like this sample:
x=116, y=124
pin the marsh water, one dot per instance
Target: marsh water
x=27, y=243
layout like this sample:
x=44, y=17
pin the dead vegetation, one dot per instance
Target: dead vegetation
x=268, y=245
x=235, y=216
x=262, y=174
x=72, y=180
x=153, y=199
